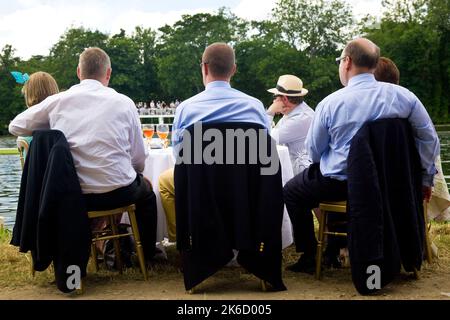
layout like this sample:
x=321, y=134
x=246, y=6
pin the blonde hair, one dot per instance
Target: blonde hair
x=39, y=87
x=94, y=63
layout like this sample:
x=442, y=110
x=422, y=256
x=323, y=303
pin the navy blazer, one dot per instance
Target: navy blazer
x=386, y=221
x=221, y=207
x=51, y=219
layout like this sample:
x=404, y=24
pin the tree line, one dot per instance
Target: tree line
x=301, y=37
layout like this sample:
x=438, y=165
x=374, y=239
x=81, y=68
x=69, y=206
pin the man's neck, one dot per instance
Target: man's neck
x=209, y=80
x=103, y=82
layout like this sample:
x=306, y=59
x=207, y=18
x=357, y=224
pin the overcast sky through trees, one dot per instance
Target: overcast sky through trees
x=33, y=26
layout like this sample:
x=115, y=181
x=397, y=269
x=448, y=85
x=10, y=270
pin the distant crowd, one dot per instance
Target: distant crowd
x=158, y=108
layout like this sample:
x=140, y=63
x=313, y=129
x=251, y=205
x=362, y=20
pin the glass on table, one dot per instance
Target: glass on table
x=148, y=131
x=162, y=130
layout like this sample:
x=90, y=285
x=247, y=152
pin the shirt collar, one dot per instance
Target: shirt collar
x=295, y=111
x=218, y=84
x=91, y=82
x=360, y=78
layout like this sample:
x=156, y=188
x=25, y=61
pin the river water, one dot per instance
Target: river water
x=10, y=173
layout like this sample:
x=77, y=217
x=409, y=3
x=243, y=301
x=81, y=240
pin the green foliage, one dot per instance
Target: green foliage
x=302, y=38
x=147, y=86
x=417, y=40
x=181, y=46
x=317, y=26
x=126, y=64
x=405, y=10
x=11, y=101
x=5, y=235
x=65, y=53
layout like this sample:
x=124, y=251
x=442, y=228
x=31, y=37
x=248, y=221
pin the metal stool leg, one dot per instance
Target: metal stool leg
x=137, y=240
x=320, y=242
x=428, y=251
x=94, y=255
x=116, y=243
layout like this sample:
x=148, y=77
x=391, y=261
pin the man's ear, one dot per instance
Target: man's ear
x=108, y=73
x=234, y=70
x=79, y=73
x=348, y=63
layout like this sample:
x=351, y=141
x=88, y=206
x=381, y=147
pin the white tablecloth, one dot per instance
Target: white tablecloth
x=159, y=160
x=287, y=173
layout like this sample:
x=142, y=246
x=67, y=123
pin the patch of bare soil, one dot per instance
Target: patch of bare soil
x=166, y=283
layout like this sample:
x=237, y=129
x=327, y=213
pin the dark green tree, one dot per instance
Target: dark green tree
x=11, y=101
x=414, y=34
x=148, y=84
x=65, y=53
x=126, y=64
x=181, y=46
x=318, y=26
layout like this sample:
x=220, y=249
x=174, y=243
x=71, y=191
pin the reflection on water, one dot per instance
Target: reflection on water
x=10, y=173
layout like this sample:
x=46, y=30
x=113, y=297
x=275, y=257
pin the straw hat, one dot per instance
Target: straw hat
x=289, y=85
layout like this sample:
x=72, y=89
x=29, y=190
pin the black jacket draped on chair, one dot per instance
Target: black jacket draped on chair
x=386, y=224
x=51, y=219
x=221, y=207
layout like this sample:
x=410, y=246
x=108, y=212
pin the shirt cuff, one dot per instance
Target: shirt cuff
x=427, y=180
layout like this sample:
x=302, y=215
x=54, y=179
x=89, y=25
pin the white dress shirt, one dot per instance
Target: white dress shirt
x=102, y=128
x=291, y=131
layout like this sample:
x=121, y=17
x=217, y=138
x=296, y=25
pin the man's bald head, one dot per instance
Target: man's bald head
x=363, y=52
x=220, y=60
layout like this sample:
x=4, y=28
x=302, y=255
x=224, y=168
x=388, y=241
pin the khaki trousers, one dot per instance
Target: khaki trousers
x=167, y=192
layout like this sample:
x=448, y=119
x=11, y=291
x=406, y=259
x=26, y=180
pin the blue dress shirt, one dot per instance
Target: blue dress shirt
x=218, y=103
x=340, y=115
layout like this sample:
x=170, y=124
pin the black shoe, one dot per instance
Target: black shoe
x=332, y=262
x=304, y=264
x=331, y=258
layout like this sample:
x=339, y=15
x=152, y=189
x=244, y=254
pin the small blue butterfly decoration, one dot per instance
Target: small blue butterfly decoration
x=20, y=77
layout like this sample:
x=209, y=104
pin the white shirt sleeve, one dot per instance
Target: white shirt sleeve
x=34, y=118
x=138, y=150
x=292, y=129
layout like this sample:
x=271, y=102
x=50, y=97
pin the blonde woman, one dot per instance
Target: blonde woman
x=36, y=89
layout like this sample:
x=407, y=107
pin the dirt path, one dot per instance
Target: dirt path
x=233, y=283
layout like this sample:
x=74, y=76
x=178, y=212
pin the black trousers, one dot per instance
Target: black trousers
x=303, y=193
x=140, y=193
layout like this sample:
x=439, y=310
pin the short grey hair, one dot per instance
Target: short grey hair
x=93, y=63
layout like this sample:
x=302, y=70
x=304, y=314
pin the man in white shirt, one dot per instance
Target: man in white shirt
x=293, y=127
x=103, y=130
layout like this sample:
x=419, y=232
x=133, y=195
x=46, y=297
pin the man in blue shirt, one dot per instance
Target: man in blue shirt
x=218, y=103
x=337, y=119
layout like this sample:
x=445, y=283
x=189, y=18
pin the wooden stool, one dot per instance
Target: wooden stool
x=325, y=208
x=115, y=235
x=341, y=207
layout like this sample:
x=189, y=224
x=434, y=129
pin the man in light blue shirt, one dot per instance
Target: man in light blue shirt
x=218, y=103
x=337, y=119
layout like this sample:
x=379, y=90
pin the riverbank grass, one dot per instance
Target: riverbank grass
x=8, y=151
x=15, y=267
